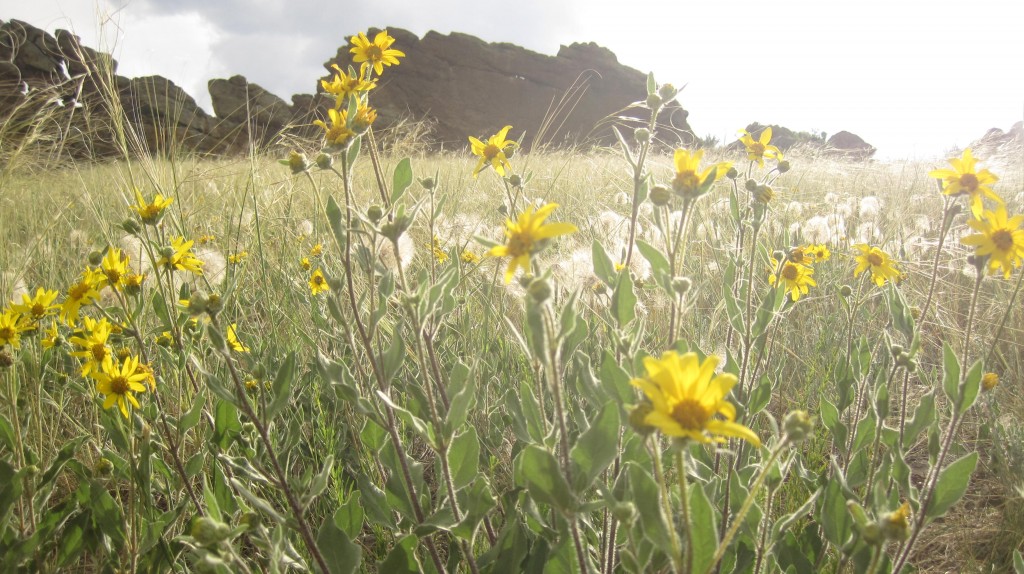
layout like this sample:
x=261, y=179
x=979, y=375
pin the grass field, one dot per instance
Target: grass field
x=413, y=410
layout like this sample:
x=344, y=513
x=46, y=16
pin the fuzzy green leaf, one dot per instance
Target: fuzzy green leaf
x=596, y=448
x=704, y=528
x=952, y=484
x=338, y=550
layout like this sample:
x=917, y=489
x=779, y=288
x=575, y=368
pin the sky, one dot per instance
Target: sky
x=915, y=78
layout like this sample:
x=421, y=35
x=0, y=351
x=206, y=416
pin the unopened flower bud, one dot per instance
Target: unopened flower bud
x=637, y=418
x=540, y=290
x=751, y=185
x=624, y=512
x=103, y=467
x=208, y=531
x=197, y=303
x=131, y=227
x=298, y=162
x=783, y=166
x=374, y=213
x=428, y=183
x=872, y=534
x=764, y=194
x=251, y=520
x=660, y=195
x=654, y=101
x=214, y=304
x=667, y=92
x=681, y=285
x=515, y=180
x=642, y=135
x=989, y=381
x=846, y=291
x=895, y=525
x=896, y=350
x=732, y=173
x=167, y=252
x=798, y=425
x=95, y=258
x=6, y=360
x=324, y=160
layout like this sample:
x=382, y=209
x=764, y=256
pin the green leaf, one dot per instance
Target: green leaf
x=1018, y=562
x=831, y=419
x=541, y=475
x=336, y=218
x=225, y=424
x=972, y=384
x=375, y=503
x=732, y=308
x=615, y=380
x=704, y=528
x=461, y=395
x=401, y=180
x=320, y=480
x=604, y=267
x=283, y=383
x=654, y=256
x=624, y=300
x=7, y=434
x=353, y=148
x=596, y=448
x=924, y=415
x=950, y=374
x=760, y=397
x=341, y=555
x=402, y=558
x=834, y=517
x=349, y=517
x=647, y=500
x=952, y=484
x=464, y=458
x=191, y=417
x=476, y=502
x=258, y=501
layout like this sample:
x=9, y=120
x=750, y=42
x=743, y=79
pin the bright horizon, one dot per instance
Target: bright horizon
x=913, y=79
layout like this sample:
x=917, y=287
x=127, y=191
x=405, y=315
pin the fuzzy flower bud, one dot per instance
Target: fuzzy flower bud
x=667, y=92
x=798, y=425
x=783, y=166
x=324, y=160
x=764, y=194
x=374, y=213
x=750, y=184
x=732, y=173
x=637, y=416
x=298, y=162
x=989, y=381
x=642, y=135
x=681, y=285
x=654, y=101
x=514, y=180
x=660, y=195
x=95, y=258
x=895, y=525
x=428, y=183
x=131, y=227
x=6, y=360
x=540, y=290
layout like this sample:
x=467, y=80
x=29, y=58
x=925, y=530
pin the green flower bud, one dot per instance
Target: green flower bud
x=6, y=360
x=197, y=304
x=763, y=194
x=131, y=227
x=624, y=512
x=896, y=349
x=428, y=183
x=251, y=520
x=637, y=417
x=297, y=162
x=783, y=166
x=214, y=304
x=515, y=180
x=324, y=160
x=681, y=285
x=374, y=213
x=667, y=92
x=732, y=173
x=95, y=258
x=845, y=291
x=751, y=185
x=209, y=532
x=660, y=195
x=895, y=525
x=540, y=290
x=798, y=425
x=642, y=135
x=654, y=101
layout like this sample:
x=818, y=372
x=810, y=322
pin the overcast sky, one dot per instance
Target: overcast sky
x=912, y=77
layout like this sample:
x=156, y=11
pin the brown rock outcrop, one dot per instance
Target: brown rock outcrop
x=470, y=87
x=849, y=145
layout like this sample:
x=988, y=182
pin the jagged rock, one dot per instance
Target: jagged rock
x=783, y=137
x=996, y=142
x=470, y=87
x=849, y=145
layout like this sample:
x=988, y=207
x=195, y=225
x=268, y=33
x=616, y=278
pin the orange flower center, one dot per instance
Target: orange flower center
x=119, y=385
x=969, y=181
x=7, y=333
x=790, y=272
x=373, y=52
x=491, y=151
x=686, y=181
x=756, y=148
x=690, y=415
x=318, y=280
x=113, y=276
x=38, y=310
x=99, y=351
x=78, y=291
x=519, y=244
x=1003, y=239
x=875, y=259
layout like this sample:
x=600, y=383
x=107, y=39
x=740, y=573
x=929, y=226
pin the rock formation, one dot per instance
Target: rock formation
x=841, y=144
x=849, y=145
x=461, y=84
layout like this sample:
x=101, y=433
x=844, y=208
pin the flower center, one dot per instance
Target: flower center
x=7, y=333
x=491, y=151
x=690, y=415
x=790, y=272
x=38, y=310
x=373, y=52
x=99, y=351
x=875, y=259
x=318, y=280
x=969, y=181
x=78, y=291
x=1003, y=239
x=686, y=181
x=756, y=148
x=119, y=385
x=520, y=244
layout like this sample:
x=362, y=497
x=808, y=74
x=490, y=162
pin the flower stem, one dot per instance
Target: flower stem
x=684, y=501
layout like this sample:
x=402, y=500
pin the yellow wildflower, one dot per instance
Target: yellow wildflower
x=795, y=276
x=878, y=261
x=114, y=267
x=318, y=283
x=10, y=330
x=317, y=250
x=963, y=179
x=237, y=258
x=469, y=257
x=989, y=381
x=151, y=213
x=999, y=238
x=525, y=236
x=233, y=343
x=493, y=152
x=689, y=181
x=92, y=345
x=36, y=308
x=337, y=134
x=345, y=83
x=117, y=383
x=376, y=54
x=180, y=257
x=85, y=292
x=686, y=396
x=759, y=149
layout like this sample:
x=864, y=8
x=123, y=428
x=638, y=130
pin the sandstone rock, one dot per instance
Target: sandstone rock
x=471, y=87
x=850, y=145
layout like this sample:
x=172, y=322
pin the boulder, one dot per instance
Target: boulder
x=849, y=145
